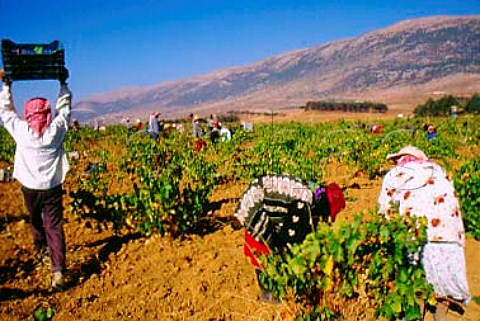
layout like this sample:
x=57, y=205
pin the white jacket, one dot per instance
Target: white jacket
x=424, y=189
x=40, y=162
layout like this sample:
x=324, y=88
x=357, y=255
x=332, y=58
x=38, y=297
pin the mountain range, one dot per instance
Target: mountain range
x=401, y=66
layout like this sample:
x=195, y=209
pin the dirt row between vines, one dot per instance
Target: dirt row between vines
x=128, y=277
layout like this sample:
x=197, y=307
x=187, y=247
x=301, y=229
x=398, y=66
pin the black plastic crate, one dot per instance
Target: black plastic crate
x=33, y=61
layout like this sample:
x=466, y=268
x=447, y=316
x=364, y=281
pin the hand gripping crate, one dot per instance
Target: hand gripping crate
x=33, y=61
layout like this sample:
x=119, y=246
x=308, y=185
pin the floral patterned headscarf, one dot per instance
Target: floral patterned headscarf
x=404, y=159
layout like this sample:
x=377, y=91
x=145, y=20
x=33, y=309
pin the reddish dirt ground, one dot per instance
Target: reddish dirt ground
x=128, y=277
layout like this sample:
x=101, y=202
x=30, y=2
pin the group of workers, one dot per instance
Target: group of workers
x=429, y=129
x=279, y=210
x=215, y=131
x=276, y=210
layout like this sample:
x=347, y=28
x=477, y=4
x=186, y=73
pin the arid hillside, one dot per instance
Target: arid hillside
x=401, y=66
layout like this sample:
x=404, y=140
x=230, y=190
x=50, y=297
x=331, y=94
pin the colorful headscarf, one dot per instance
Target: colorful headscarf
x=38, y=114
x=404, y=159
x=336, y=199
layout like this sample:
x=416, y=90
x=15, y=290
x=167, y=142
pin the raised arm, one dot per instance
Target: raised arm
x=8, y=115
x=6, y=101
x=64, y=101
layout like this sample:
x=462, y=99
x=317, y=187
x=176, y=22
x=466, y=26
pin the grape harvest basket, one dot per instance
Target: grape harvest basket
x=30, y=61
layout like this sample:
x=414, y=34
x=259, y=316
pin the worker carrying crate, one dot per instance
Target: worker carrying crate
x=40, y=164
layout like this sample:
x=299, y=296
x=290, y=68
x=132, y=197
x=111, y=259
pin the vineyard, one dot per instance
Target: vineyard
x=150, y=232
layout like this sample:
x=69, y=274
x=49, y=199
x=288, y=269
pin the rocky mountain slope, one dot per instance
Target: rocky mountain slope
x=400, y=65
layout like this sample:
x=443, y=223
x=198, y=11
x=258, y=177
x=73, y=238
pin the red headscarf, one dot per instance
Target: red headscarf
x=336, y=200
x=38, y=114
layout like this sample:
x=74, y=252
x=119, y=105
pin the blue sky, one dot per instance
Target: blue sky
x=111, y=44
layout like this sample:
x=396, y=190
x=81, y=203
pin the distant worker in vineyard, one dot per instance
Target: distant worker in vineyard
x=211, y=123
x=138, y=124
x=431, y=132
x=278, y=211
x=454, y=111
x=225, y=134
x=127, y=123
x=376, y=128
x=197, y=133
x=418, y=186
x=41, y=166
x=96, y=124
x=153, y=125
x=213, y=126
x=197, y=130
x=75, y=125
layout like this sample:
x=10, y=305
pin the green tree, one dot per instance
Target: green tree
x=473, y=105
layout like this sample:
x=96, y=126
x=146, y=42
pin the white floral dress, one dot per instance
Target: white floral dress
x=423, y=189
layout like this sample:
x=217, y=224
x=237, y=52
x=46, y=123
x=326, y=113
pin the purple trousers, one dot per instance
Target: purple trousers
x=46, y=214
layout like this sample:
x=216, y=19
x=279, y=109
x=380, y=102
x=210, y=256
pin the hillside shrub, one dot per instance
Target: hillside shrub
x=173, y=185
x=442, y=106
x=359, y=107
x=473, y=106
x=467, y=183
x=170, y=190
x=8, y=146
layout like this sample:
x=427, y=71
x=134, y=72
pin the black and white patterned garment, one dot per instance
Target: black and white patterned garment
x=280, y=210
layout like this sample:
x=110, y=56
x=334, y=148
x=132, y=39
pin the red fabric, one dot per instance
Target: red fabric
x=254, y=249
x=199, y=144
x=336, y=199
x=377, y=129
x=38, y=114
